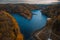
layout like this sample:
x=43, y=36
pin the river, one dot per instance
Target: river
x=27, y=27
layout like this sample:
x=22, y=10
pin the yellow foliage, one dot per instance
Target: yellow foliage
x=15, y=26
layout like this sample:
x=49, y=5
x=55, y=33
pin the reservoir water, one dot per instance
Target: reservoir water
x=27, y=27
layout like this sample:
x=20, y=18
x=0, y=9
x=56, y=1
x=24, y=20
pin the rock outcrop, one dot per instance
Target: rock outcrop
x=50, y=31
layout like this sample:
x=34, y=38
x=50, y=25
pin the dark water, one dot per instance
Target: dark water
x=27, y=27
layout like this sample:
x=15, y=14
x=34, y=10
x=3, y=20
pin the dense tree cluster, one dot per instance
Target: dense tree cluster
x=9, y=29
x=52, y=10
x=22, y=9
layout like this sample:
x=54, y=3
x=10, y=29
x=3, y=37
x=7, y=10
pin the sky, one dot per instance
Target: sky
x=29, y=1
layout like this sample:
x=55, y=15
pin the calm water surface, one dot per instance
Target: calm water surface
x=27, y=27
